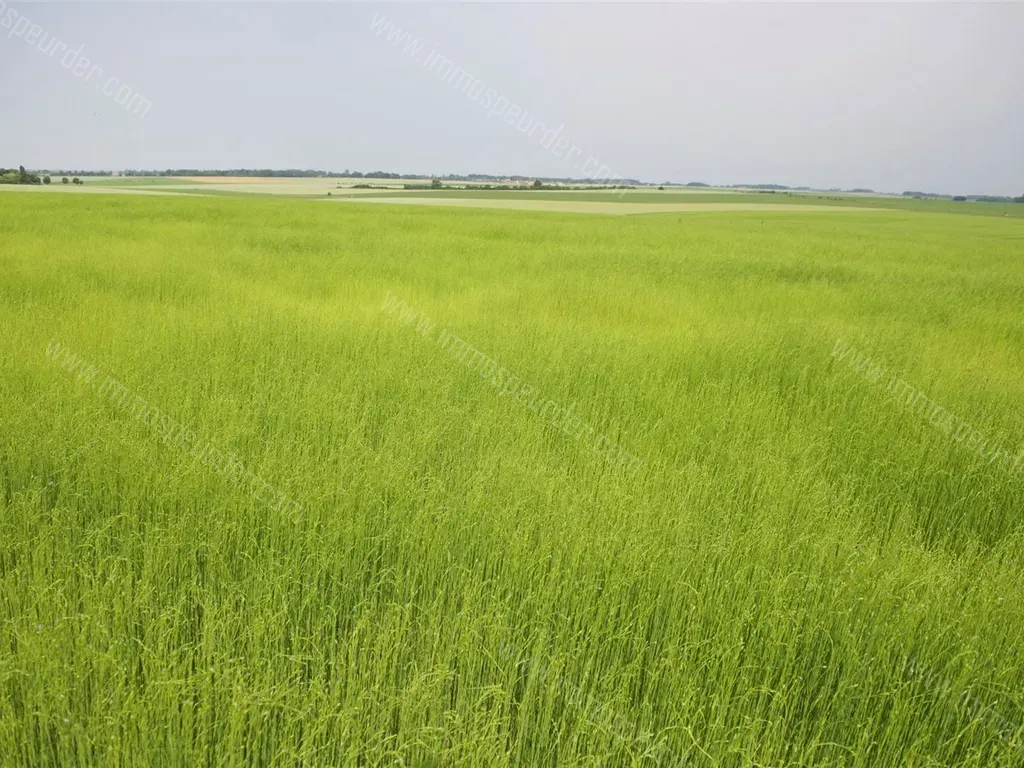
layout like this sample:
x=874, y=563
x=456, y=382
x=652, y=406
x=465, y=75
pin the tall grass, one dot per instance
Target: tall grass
x=802, y=572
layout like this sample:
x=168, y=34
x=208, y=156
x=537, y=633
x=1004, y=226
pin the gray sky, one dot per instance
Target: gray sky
x=890, y=96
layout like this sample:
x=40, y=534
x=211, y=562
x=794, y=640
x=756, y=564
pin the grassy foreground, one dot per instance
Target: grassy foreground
x=802, y=570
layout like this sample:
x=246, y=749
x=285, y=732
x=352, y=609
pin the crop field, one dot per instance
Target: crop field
x=523, y=202
x=717, y=197
x=640, y=199
x=286, y=483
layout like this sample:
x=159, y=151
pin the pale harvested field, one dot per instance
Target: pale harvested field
x=275, y=186
x=647, y=190
x=309, y=187
x=292, y=186
x=292, y=182
x=619, y=209
x=227, y=179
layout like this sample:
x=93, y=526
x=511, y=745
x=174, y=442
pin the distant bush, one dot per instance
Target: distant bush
x=20, y=176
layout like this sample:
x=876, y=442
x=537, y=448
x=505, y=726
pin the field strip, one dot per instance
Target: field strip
x=562, y=206
x=308, y=189
x=96, y=189
x=291, y=180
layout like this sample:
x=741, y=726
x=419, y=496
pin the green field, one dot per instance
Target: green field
x=780, y=198
x=258, y=508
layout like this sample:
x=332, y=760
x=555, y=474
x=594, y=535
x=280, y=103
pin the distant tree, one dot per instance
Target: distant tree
x=661, y=188
x=64, y=180
x=24, y=177
x=435, y=184
x=537, y=183
x=76, y=180
x=959, y=199
x=46, y=179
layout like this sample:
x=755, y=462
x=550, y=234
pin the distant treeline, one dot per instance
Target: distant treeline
x=784, y=188
x=262, y=173
x=861, y=190
x=296, y=173
x=81, y=173
x=483, y=177
x=966, y=198
x=536, y=185
x=769, y=187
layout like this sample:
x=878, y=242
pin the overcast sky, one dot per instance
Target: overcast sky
x=922, y=96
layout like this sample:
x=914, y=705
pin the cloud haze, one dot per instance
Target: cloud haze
x=889, y=96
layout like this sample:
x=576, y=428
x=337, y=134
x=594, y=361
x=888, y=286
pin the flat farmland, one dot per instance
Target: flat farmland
x=278, y=186
x=371, y=485
x=681, y=199
x=723, y=197
x=525, y=202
